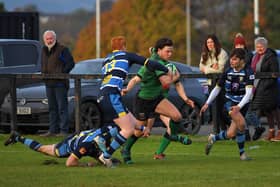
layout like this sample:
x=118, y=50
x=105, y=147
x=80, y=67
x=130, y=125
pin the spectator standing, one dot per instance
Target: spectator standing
x=213, y=60
x=266, y=91
x=56, y=58
x=239, y=42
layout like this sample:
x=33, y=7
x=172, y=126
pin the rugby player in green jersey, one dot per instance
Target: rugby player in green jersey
x=152, y=100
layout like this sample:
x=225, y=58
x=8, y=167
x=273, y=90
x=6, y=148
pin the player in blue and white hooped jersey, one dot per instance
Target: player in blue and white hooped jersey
x=115, y=70
x=74, y=146
x=238, y=84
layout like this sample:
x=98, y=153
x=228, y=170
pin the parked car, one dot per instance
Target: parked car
x=203, y=81
x=32, y=103
x=18, y=56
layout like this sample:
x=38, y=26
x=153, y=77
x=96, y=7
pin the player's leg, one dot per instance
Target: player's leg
x=222, y=135
x=105, y=134
x=145, y=115
x=171, y=134
x=32, y=144
x=126, y=150
x=166, y=139
x=174, y=128
x=171, y=117
x=166, y=108
x=231, y=131
x=238, y=123
x=48, y=150
x=127, y=125
x=112, y=106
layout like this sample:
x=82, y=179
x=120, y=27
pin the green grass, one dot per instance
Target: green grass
x=184, y=166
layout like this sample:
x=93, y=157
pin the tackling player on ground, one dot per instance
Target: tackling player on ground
x=74, y=146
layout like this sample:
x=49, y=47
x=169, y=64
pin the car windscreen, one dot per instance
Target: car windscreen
x=183, y=68
x=25, y=55
x=87, y=67
x=94, y=66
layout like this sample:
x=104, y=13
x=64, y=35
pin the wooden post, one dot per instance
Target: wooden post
x=77, y=104
x=13, y=104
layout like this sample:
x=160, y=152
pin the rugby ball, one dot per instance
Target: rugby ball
x=171, y=67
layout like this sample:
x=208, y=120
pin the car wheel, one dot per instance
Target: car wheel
x=191, y=122
x=90, y=116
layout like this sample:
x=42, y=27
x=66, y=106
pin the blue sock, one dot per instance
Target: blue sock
x=240, y=139
x=115, y=144
x=221, y=136
x=32, y=144
x=114, y=131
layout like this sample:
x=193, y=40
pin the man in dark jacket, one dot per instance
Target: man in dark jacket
x=266, y=91
x=56, y=59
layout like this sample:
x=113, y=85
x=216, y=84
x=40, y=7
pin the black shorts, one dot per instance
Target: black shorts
x=112, y=107
x=62, y=149
x=145, y=108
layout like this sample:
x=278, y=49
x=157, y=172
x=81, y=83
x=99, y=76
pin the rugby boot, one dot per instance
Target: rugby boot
x=244, y=157
x=209, y=144
x=106, y=161
x=160, y=156
x=12, y=138
x=185, y=140
x=126, y=156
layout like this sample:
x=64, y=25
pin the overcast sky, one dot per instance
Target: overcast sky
x=51, y=6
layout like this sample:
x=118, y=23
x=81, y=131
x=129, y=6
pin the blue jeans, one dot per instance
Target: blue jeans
x=58, y=109
x=252, y=118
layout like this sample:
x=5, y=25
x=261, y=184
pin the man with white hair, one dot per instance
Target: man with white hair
x=56, y=58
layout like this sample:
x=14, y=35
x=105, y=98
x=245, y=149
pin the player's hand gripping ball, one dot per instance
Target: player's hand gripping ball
x=172, y=68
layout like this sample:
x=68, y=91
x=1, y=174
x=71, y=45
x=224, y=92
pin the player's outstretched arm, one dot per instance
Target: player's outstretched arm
x=181, y=91
x=135, y=80
x=73, y=161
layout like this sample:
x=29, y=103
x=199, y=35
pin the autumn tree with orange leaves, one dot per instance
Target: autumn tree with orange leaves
x=141, y=22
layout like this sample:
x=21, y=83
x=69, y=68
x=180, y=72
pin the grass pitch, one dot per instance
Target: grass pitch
x=183, y=166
